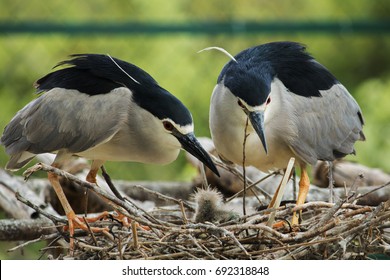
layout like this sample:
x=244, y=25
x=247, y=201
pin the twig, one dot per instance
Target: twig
x=244, y=167
x=223, y=231
x=281, y=190
x=374, y=190
x=90, y=231
x=173, y=256
x=49, y=246
x=202, y=248
x=292, y=246
x=264, y=228
x=54, y=219
x=315, y=231
x=183, y=212
x=253, y=185
x=165, y=197
x=330, y=213
x=145, y=213
x=352, y=193
x=323, y=204
x=42, y=237
x=234, y=170
x=203, y=174
x=330, y=177
x=134, y=214
x=362, y=210
x=91, y=247
x=337, y=206
x=110, y=184
x=370, y=220
x=134, y=226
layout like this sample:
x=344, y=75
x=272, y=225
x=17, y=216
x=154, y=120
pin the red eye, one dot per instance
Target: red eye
x=168, y=125
x=268, y=101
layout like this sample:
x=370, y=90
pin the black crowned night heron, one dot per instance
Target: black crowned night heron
x=295, y=106
x=103, y=109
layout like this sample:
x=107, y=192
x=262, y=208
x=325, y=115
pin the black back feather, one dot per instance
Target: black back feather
x=251, y=76
x=94, y=74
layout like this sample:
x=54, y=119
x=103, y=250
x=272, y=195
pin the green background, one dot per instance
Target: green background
x=359, y=58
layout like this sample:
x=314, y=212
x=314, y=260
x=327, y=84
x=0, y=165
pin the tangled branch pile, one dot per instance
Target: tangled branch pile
x=341, y=230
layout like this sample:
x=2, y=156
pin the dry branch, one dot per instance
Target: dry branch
x=341, y=230
x=25, y=229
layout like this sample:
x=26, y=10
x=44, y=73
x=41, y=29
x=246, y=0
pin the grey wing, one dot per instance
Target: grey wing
x=327, y=126
x=64, y=119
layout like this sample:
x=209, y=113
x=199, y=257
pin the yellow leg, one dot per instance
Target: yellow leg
x=73, y=220
x=91, y=177
x=304, y=184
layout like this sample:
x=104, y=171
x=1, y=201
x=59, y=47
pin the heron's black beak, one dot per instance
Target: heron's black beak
x=257, y=121
x=191, y=144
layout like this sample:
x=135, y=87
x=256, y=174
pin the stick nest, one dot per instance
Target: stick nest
x=328, y=231
x=341, y=230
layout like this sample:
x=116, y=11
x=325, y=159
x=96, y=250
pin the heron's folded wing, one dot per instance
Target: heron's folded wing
x=67, y=119
x=328, y=126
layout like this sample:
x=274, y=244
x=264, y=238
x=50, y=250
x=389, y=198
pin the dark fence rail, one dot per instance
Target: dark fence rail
x=202, y=28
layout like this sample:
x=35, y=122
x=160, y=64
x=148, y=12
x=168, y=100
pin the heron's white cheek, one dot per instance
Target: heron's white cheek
x=171, y=148
x=173, y=142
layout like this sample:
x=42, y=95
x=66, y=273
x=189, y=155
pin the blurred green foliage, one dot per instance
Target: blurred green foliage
x=360, y=61
x=375, y=103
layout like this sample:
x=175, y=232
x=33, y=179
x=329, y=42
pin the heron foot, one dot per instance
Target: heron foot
x=75, y=222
